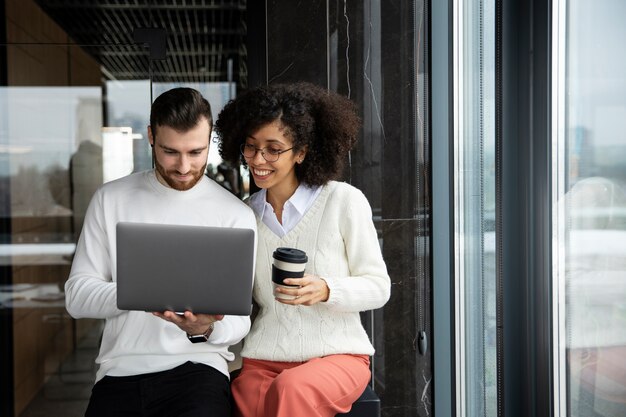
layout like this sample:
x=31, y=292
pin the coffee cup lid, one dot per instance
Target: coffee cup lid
x=290, y=255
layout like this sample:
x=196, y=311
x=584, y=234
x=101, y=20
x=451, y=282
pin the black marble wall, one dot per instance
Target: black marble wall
x=374, y=52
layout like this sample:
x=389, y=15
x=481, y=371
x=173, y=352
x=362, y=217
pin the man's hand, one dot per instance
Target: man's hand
x=190, y=323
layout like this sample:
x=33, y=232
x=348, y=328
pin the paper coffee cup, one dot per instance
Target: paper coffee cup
x=287, y=263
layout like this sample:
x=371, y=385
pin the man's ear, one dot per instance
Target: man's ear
x=150, y=137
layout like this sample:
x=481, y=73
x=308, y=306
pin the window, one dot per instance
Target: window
x=589, y=215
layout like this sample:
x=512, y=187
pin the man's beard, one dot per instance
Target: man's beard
x=177, y=185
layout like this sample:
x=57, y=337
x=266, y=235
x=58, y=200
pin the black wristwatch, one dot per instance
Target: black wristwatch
x=201, y=338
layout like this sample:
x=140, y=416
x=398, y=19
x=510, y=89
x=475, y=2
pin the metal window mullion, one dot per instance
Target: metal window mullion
x=458, y=208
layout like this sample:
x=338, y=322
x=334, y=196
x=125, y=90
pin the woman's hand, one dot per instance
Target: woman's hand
x=190, y=323
x=312, y=290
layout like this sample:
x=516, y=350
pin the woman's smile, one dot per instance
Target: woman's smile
x=261, y=173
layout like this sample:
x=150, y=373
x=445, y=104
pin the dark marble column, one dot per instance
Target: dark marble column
x=373, y=52
x=296, y=41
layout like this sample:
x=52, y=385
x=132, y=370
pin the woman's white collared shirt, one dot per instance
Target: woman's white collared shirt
x=293, y=210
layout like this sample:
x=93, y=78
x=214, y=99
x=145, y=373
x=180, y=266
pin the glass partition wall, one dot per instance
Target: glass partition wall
x=69, y=123
x=58, y=144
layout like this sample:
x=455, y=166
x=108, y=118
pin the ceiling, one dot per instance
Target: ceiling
x=200, y=37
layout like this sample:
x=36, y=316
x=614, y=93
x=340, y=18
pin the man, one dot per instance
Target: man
x=148, y=366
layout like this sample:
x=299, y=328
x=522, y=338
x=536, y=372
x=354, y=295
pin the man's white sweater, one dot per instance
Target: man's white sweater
x=339, y=237
x=136, y=342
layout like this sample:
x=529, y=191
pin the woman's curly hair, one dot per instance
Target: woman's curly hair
x=324, y=122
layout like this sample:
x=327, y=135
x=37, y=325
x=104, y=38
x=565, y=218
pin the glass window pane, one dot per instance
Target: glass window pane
x=590, y=219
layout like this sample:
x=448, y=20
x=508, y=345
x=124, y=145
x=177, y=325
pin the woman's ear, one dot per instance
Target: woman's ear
x=301, y=155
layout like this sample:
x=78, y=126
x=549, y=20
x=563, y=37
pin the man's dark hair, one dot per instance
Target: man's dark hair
x=179, y=108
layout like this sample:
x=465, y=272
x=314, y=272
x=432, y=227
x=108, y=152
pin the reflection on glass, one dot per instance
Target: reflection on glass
x=50, y=145
x=592, y=234
x=117, y=152
x=44, y=127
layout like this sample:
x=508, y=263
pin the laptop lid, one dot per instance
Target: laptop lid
x=172, y=267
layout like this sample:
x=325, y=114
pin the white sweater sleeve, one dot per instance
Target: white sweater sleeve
x=368, y=286
x=230, y=330
x=89, y=291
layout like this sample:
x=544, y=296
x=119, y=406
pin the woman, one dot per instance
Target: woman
x=308, y=354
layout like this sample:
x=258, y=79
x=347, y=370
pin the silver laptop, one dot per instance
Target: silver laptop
x=168, y=267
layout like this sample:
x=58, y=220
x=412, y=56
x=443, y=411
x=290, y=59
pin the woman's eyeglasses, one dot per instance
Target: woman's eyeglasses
x=269, y=154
